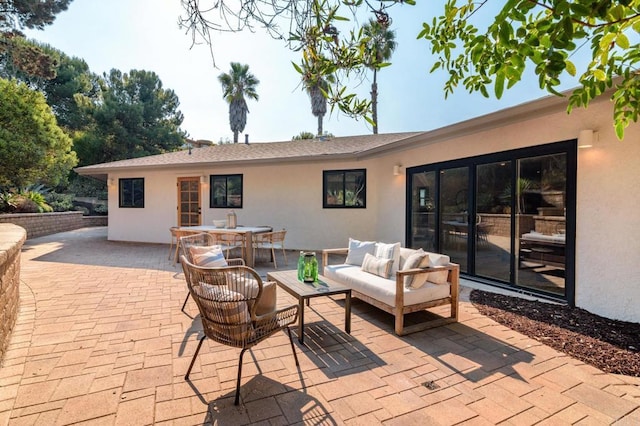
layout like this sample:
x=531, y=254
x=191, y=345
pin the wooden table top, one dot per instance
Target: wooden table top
x=288, y=280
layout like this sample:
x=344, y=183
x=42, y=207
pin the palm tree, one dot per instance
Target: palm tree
x=315, y=84
x=235, y=86
x=380, y=47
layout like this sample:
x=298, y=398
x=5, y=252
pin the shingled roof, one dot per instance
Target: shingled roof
x=349, y=147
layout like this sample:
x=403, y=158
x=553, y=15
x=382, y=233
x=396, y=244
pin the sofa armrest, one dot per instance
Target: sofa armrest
x=453, y=279
x=327, y=252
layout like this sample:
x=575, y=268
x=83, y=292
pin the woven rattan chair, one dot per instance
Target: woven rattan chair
x=200, y=240
x=230, y=241
x=229, y=302
x=270, y=241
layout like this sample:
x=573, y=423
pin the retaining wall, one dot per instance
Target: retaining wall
x=12, y=238
x=39, y=224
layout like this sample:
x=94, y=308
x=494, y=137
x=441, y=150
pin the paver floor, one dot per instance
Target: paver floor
x=101, y=340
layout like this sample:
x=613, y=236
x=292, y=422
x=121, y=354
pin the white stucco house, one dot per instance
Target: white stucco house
x=528, y=198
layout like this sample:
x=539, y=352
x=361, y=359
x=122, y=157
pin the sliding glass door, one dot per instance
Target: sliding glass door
x=506, y=218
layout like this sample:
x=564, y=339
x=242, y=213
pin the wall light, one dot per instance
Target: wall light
x=396, y=170
x=203, y=179
x=587, y=138
x=111, y=181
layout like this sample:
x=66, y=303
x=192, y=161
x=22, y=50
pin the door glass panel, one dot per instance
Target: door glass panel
x=540, y=227
x=189, y=201
x=493, y=221
x=423, y=211
x=454, y=214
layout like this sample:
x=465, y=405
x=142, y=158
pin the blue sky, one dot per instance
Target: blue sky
x=144, y=34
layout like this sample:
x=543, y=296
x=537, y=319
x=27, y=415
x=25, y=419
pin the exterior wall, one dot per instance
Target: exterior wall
x=39, y=224
x=290, y=196
x=12, y=238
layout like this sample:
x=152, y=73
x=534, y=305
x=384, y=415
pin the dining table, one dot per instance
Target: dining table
x=246, y=232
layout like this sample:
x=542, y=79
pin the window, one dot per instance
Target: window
x=344, y=189
x=226, y=191
x=131, y=193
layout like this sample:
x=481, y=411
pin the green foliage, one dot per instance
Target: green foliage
x=29, y=200
x=236, y=85
x=135, y=117
x=303, y=136
x=59, y=202
x=15, y=53
x=32, y=147
x=544, y=34
x=83, y=186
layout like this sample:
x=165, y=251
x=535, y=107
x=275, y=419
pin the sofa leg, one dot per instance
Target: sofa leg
x=399, y=323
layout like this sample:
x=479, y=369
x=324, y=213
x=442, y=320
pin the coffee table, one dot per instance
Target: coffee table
x=288, y=281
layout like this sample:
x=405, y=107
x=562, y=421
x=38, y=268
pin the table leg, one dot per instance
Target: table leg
x=347, y=313
x=301, y=320
x=248, y=249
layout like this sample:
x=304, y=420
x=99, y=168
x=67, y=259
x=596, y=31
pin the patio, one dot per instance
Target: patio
x=100, y=339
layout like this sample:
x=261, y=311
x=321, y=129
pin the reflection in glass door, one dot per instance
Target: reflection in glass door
x=454, y=214
x=493, y=221
x=541, y=223
x=423, y=211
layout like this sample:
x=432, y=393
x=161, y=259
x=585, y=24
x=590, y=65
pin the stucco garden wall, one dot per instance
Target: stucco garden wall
x=12, y=238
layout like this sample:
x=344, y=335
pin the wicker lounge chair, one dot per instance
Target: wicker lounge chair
x=229, y=300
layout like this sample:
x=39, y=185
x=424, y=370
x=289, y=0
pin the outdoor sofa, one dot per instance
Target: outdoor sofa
x=397, y=280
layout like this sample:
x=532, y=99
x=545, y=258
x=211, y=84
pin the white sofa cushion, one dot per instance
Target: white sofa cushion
x=376, y=265
x=381, y=289
x=357, y=251
x=389, y=251
x=435, y=260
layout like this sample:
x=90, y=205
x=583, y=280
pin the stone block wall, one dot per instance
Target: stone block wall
x=12, y=238
x=39, y=224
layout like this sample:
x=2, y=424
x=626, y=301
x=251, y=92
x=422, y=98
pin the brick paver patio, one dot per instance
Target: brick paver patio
x=100, y=340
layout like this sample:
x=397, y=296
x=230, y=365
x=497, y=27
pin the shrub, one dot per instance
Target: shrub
x=60, y=202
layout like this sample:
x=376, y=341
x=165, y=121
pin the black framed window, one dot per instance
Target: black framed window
x=226, y=191
x=131, y=193
x=344, y=188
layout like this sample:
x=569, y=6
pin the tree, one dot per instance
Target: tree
x=134, y=118
x=380, y=47
x=316, y=86
x=542, y=33
x=303, y=136
x=33, y=149
x=235, y=86
x=16, y=15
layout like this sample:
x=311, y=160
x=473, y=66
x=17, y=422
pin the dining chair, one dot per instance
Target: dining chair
x=231, y=241
x=174, y=240
x=229, y=301
x=270, y=241
x=191, y=243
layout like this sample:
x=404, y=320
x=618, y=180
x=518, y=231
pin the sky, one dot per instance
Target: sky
x=145, y=35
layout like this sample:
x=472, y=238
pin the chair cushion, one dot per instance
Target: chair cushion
x=357, y=251
x=435, y=260
x=377, y=266
x=210, y=256
x=389, y=251
x=267, y=302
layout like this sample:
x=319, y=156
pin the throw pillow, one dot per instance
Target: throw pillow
x=377, y=266
x=210, y=256
x=435, y=260
x=389, y=251
x=412, y=262
x=357, y=251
